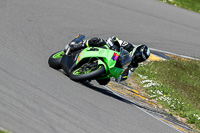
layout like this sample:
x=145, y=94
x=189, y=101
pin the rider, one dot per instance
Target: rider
x=140, y=53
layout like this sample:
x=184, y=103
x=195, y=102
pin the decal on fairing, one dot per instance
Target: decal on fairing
x=115, y=56
x=79, y=57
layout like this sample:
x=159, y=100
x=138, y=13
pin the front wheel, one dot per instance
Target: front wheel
x=87, y=72
x=55, y=59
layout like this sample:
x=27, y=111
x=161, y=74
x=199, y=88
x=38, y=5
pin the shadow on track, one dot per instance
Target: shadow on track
x=104, y=91
x=111, y=94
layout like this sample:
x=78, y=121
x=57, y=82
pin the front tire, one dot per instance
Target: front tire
x=79, y=75
x=55, y=60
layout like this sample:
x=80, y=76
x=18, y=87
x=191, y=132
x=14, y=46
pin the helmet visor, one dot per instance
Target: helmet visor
x=138, y=57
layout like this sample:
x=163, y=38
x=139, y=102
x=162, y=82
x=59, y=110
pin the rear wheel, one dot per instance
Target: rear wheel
x=87, y=71
x=55, y=59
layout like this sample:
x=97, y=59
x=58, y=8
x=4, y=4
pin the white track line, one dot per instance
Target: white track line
x=188, y=57
x=144, y=110
x=2, y=129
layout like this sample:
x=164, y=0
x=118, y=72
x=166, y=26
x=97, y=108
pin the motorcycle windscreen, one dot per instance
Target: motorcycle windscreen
x=125, y=58
x=78, y=39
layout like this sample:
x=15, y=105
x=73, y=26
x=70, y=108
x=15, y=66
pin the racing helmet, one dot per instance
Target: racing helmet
x=141, y=53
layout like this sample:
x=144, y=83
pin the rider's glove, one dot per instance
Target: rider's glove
x=77, y=47
x=73, y=47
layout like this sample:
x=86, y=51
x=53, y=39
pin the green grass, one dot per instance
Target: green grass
x=175, y=84
x=193, y=5
x=1, y=131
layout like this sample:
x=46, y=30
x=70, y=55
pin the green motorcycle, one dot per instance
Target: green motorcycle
x=91, y=63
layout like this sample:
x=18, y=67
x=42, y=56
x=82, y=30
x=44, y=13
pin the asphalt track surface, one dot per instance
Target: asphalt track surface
x=35, y=98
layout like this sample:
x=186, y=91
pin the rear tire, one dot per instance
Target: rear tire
x=88, y=76
x=55, y=60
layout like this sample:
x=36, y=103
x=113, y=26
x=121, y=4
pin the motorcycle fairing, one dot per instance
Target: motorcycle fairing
x=69, y=61
x=108, y=56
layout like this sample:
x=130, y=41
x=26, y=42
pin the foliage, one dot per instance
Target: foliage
x=193, y=5
x=1, y=131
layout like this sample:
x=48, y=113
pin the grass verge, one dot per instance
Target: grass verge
x=175, y=85
x=192, y=5
x=1, y=131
